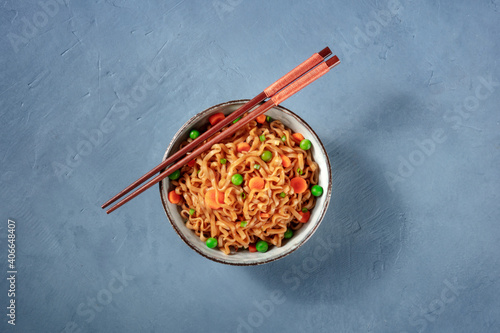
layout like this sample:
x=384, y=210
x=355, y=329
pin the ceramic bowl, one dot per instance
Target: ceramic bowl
x=244, y=257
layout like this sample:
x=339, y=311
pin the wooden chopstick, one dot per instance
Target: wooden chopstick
x=279, y=97
x=295, y=73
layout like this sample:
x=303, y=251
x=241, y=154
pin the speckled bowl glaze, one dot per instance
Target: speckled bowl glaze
x=245, y=258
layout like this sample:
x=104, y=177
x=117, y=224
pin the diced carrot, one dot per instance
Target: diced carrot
x=174, y=197
x=192, y=163
x=242, y=146
x=286, y=161
x=252, y=248
x=215, y=118
x=298, y=184
x=211, y=201
x=256, y=183
x=220, y=197
x=305, y=216
x=264, y=215
x=261, y=119
x=297, y=137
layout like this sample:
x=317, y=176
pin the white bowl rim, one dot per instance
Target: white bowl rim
x=328, y=193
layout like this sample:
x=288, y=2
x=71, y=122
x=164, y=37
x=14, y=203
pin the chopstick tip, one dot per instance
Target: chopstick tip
x=333, y=61
x=325, y=52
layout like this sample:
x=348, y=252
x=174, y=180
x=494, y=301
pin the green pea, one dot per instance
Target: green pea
x=211, y=242
x=243, y=224
x=269, y=119
x=283, y=138
x=266, y=156
x=316, y=190
x=236, y=120
x=198, y=172
x=299, y=171
x=304, y=210
x=261, y=246
x=237, y=179
x=191, y=211
x=256, y=167
x=223, y=161
x=288, y=233
x=305, y=144
x=175, y=175
x=243, y=195
x=262, y=138
x=282, y=194
x=194, y=134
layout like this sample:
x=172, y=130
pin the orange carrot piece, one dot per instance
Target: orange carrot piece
x=215, y=118
x=242, y=146
x=261, y=119
x=286, y=161
x=174, y=197
x=192, y=163
x=298, y=184
x=297, y=137
x=256, y=183
x=220, y=197
x=210, y=200
x=252, y=248
x=305, y=216
x=264, y=215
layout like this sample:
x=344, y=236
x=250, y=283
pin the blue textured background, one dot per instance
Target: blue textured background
x=410, y=120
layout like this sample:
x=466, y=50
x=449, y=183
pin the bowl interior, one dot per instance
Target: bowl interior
x=290, y=120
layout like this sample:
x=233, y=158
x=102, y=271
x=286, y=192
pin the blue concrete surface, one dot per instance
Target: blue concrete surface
x=91, y=92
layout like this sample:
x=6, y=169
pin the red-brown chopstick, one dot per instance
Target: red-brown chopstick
x=285, y=93
x=295, y=73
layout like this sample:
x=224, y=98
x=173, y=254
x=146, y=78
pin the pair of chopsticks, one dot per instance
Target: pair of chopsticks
x=302, y=75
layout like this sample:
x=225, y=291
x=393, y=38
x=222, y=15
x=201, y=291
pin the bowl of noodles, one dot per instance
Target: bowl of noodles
x=253, y=198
